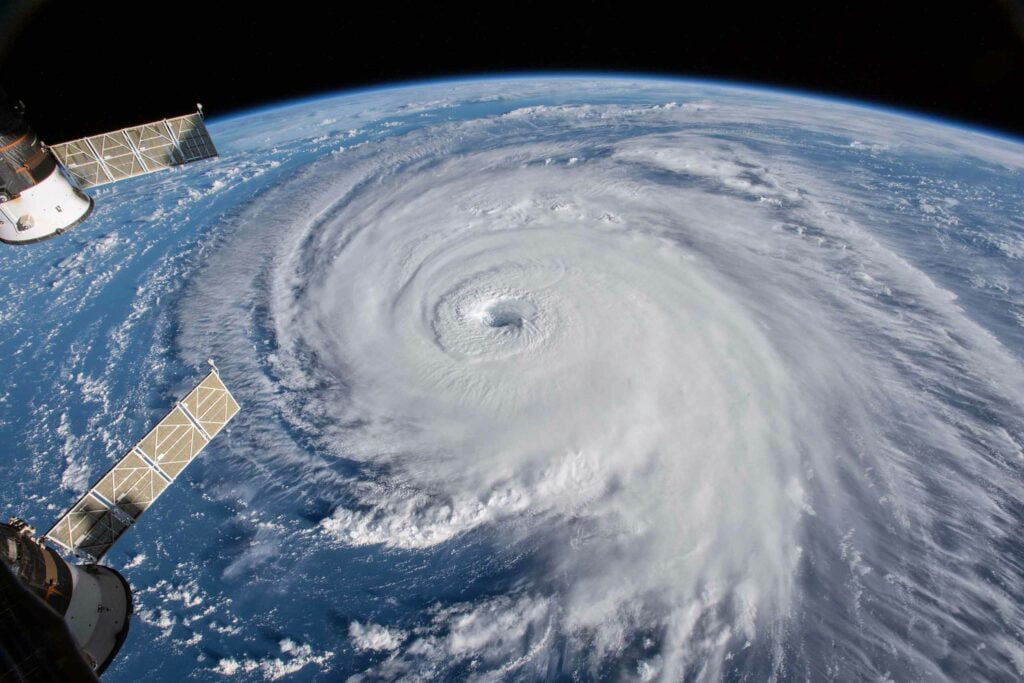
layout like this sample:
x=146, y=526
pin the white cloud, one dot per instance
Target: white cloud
x=296, y=657
x=375, y=637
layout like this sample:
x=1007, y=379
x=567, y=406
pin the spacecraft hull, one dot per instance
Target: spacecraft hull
x=41, y=186
x=99, y=613
x=95, y=601
x=49, y=208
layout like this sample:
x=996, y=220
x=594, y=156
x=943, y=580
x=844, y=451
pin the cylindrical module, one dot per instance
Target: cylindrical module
x=37, y=200
x=95, y=601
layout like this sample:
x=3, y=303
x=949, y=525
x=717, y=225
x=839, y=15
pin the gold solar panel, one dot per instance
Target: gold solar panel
x=88, y=527
x=211, y=404
x=173, y=443
x=137, y=150
x=132, y=485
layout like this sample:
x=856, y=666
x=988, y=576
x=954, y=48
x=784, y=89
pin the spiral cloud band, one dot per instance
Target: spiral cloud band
x=725, y=418
x=647, y=382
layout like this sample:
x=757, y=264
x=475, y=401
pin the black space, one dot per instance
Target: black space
x=84, y=67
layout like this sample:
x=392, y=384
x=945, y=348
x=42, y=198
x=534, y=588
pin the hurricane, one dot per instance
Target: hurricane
x=646, y=382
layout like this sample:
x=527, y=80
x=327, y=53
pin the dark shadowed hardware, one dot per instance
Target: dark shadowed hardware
x=58, y=605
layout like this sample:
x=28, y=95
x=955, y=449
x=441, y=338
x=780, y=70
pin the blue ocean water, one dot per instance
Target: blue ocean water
x=763, y=419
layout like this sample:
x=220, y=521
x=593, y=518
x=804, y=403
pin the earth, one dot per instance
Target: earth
x=565, y=378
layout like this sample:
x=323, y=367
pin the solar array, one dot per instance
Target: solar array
x=130, y=487
x=129, y=152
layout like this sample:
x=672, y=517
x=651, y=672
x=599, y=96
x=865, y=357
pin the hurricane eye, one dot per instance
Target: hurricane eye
x=499, y=316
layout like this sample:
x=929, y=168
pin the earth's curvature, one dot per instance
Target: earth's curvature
x=551, y=378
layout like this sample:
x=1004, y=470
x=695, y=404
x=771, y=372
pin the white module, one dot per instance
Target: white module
x=46, y=209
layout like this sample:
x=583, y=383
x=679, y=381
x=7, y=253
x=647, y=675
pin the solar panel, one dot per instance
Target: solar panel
x=173, y=443
x=194, y=141
x=89, y=527
x=211, y=404
x=132, y=485
x=137, y=150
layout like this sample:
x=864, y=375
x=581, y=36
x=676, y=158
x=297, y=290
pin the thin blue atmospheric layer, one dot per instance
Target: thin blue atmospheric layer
x=588, y=376
x=619, y=76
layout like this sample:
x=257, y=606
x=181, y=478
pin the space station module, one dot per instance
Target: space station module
x=41, y=186
x=65, y=621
